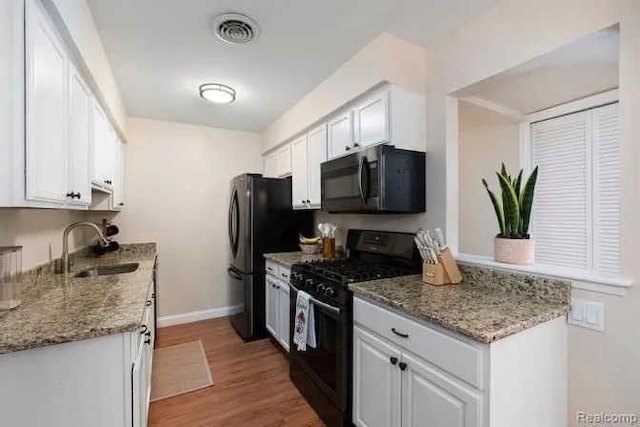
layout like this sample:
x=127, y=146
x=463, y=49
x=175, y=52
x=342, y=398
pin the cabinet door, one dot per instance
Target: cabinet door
x=284, y=161
x=376, y=381
x=79, y=139
x=316, y=154
x=46, y=109
x=429, y=398
x=271, y=165
x=101, y=144
x=138, y=382
x=299, y=173
x=283, y=315
x=340, y=133
x=372, y=120
x=271, y=306
x=118, y=176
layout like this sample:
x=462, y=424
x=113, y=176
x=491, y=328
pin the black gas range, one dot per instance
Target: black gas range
x=323, y=375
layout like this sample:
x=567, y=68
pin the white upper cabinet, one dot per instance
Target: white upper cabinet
x=299, y=173
x=118, y=176
x=371, y=119
x=340, y=132
x=307, y=152
x=284, y=161
x=316, y=154
x=103, y=149
x=46, y=110
x=271, y=165
x=80, y=102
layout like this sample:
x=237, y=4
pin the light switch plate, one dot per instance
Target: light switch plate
x=587, y=314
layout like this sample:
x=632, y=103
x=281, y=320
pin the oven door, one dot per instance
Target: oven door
x=351, y=183
x=328, y=365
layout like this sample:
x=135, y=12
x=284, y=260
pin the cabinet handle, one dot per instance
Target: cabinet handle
x=77, y=196
x=356, y=145
x=107, y=181
x=403, y=366
x=120, y=204
x=71, y=195
x=147, y=338
x=149, y=302
x=393, y=360
x=308, y=202
x=302, y=201
x=400, y=334
x=144, y=330
x=347, y=148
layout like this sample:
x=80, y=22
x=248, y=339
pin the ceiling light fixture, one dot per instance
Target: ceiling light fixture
x=217, y=93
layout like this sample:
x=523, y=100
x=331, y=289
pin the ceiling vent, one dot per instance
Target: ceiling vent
x=235, y=28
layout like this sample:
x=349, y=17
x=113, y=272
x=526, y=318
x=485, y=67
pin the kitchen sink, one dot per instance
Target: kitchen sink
x=105, y=270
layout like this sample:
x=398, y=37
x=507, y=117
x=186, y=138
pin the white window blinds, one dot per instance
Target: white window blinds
x=576, y=218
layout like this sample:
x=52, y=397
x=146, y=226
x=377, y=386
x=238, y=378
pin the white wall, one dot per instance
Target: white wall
x=39, y=232
x=485, y=140
x=386, y=58
x=177, y=191
x=604, y=368
x=79, y=21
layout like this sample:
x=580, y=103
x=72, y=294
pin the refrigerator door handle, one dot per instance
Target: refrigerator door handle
x=234, y=274
x=234, y=218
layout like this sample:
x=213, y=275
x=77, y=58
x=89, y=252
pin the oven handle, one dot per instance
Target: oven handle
x=314, y=301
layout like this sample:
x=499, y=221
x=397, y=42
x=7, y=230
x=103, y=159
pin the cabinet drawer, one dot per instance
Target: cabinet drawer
x=459, y=358
x=284, y=272
x=272, y=268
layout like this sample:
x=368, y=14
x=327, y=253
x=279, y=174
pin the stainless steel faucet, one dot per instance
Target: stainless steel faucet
x=63, y=264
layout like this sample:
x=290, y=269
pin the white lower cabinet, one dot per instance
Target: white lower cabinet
x=97, y=382
x=409, y=373
x=431, y=398
x=277, y=303
x=376, y=381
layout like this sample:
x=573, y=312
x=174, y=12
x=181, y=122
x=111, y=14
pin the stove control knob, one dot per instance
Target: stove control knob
x=309, y=282
x=320, y=288
x=329, y=292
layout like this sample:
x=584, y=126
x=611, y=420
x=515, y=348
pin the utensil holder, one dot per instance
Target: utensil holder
x=446, y=272
x=328, y=247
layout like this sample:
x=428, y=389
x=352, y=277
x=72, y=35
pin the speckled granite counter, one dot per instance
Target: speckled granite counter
x=489, y=304
x=291, y=258
x=56, y=309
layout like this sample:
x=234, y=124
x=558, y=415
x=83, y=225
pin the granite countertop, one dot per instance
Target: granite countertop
x=291, y=258
x=59, y=308
x=488, y=305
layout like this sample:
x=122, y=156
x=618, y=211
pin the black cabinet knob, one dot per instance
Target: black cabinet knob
x=308, y=202
x=393, y=360
x=147, y=338
x=70, y=195
x=144, y=330
x=403, y=366
x=77, y=195
x=149, y=302
x=121, y=204
x=356, y=145
x=302, y=201
x=347, y=148
x=107, y=181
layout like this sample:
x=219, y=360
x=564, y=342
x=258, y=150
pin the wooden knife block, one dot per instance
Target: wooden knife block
x=446, y=272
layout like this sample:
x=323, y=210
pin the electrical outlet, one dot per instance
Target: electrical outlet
x=587, y=314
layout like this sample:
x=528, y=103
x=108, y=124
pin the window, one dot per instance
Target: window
x=576, y=218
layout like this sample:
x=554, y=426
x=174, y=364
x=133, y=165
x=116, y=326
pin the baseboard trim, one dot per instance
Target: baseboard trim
x=195, y=316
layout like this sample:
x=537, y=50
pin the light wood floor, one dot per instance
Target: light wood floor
x=251, y=384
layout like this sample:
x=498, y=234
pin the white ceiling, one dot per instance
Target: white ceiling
x=162, y=50
x=584, y=67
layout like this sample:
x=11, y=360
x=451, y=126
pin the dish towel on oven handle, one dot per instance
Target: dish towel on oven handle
x=304, y=332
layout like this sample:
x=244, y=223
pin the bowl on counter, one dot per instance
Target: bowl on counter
x=309, y=248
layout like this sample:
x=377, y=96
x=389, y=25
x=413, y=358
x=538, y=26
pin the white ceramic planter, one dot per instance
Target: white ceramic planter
x=514, y=251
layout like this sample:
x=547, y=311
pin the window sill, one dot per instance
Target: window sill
x=584, y=280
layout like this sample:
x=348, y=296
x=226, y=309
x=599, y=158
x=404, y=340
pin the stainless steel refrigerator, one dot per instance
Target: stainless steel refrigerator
x=261, y=220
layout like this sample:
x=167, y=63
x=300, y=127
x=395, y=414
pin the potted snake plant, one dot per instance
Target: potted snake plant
x=513, y=244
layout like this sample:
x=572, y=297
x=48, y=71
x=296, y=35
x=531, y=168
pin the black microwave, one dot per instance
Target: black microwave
x=380, y=179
